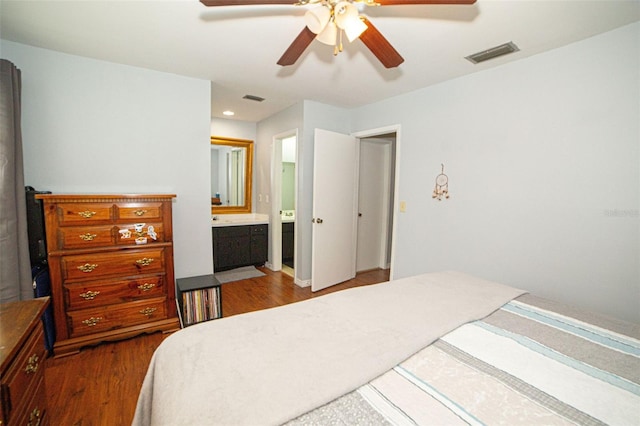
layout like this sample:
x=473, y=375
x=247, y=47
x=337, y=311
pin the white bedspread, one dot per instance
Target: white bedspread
x=270, y=366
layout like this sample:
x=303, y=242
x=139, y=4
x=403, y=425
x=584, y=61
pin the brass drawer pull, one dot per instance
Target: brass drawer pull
x=145, y=261
x=92, y=321
x=34, y=417
x=87, y=267
x=89, y=295
x=87, y=214
x=146, y=286
x=87, y=236
x=32, y=364
x=148, y=311
x=140, y=212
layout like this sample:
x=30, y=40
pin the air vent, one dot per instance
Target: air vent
x=494, y=52
x=253, y=98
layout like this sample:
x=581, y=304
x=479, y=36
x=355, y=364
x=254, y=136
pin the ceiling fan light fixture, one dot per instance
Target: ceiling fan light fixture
x=317, y=19
x=329, y=35
x=347, y=19
x=354, y=27
x=344, y=10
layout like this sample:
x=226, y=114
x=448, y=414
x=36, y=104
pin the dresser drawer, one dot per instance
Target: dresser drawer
x=138, y=212
x=78, y=213
x=120, y=263
x=85, y=236
x=106, y=292
x=129, y=233
x=32, y=411
x=89, y=321
x=27, y=370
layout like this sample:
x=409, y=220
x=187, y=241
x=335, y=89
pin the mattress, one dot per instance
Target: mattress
x=440, y=348
x=532, y=362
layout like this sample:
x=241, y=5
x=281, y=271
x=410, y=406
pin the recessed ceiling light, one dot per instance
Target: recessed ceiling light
x=229, y=113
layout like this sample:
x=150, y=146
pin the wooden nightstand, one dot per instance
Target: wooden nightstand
x=22, y=356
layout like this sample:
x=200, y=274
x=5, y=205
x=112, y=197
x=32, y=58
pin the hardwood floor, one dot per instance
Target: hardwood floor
x=100, y=385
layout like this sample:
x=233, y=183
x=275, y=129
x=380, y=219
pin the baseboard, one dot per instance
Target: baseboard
x=302, y=283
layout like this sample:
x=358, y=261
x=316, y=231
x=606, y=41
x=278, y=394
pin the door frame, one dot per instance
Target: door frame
x=396, y=128
x=275, y=232
x=382, y=203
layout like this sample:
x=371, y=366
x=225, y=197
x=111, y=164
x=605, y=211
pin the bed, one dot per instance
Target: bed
x=434, y=349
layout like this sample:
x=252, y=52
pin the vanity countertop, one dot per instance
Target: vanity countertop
x=239, y=219
x=288, y=216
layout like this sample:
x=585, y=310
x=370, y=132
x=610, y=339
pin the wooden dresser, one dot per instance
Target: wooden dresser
x=111, y=266
x=22, y=355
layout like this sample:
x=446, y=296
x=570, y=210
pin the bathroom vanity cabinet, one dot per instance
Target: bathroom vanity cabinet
x=287, y=241
x=235, y=246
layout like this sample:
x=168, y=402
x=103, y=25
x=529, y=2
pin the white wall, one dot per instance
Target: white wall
x=543, y=161
x=97, y=127
x=289, y=121
x=233, y=128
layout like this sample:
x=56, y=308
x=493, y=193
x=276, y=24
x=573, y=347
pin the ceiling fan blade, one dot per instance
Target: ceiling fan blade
x=405, y=2
x=380, y=46
x=245, y=2
x=291, y=55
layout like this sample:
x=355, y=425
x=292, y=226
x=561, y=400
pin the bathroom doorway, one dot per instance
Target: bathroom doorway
x=288, y=204
x=283, y=212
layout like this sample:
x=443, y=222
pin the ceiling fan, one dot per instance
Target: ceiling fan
x=334, y=18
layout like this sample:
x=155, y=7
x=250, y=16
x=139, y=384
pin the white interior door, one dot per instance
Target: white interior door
x=335, y=201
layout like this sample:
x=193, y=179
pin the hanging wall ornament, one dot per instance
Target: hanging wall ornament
x=442, y=186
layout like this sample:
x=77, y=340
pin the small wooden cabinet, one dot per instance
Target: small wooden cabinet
x=199, y=298
x=235, y=246
x=22, y=356
x=111, y=266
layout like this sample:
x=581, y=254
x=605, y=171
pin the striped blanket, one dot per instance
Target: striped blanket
x=531, y=362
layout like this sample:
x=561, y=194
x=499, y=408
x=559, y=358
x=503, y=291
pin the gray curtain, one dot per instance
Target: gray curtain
x=15, y=269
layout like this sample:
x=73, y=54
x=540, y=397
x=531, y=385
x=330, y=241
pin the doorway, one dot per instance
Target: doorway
x=288, y=204
x=284, y=178
x=375, y=207
x=336, y=242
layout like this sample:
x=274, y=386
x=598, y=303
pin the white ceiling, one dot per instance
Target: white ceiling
x=237, y=47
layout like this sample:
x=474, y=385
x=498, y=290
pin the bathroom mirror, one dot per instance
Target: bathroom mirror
x=231, y=175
